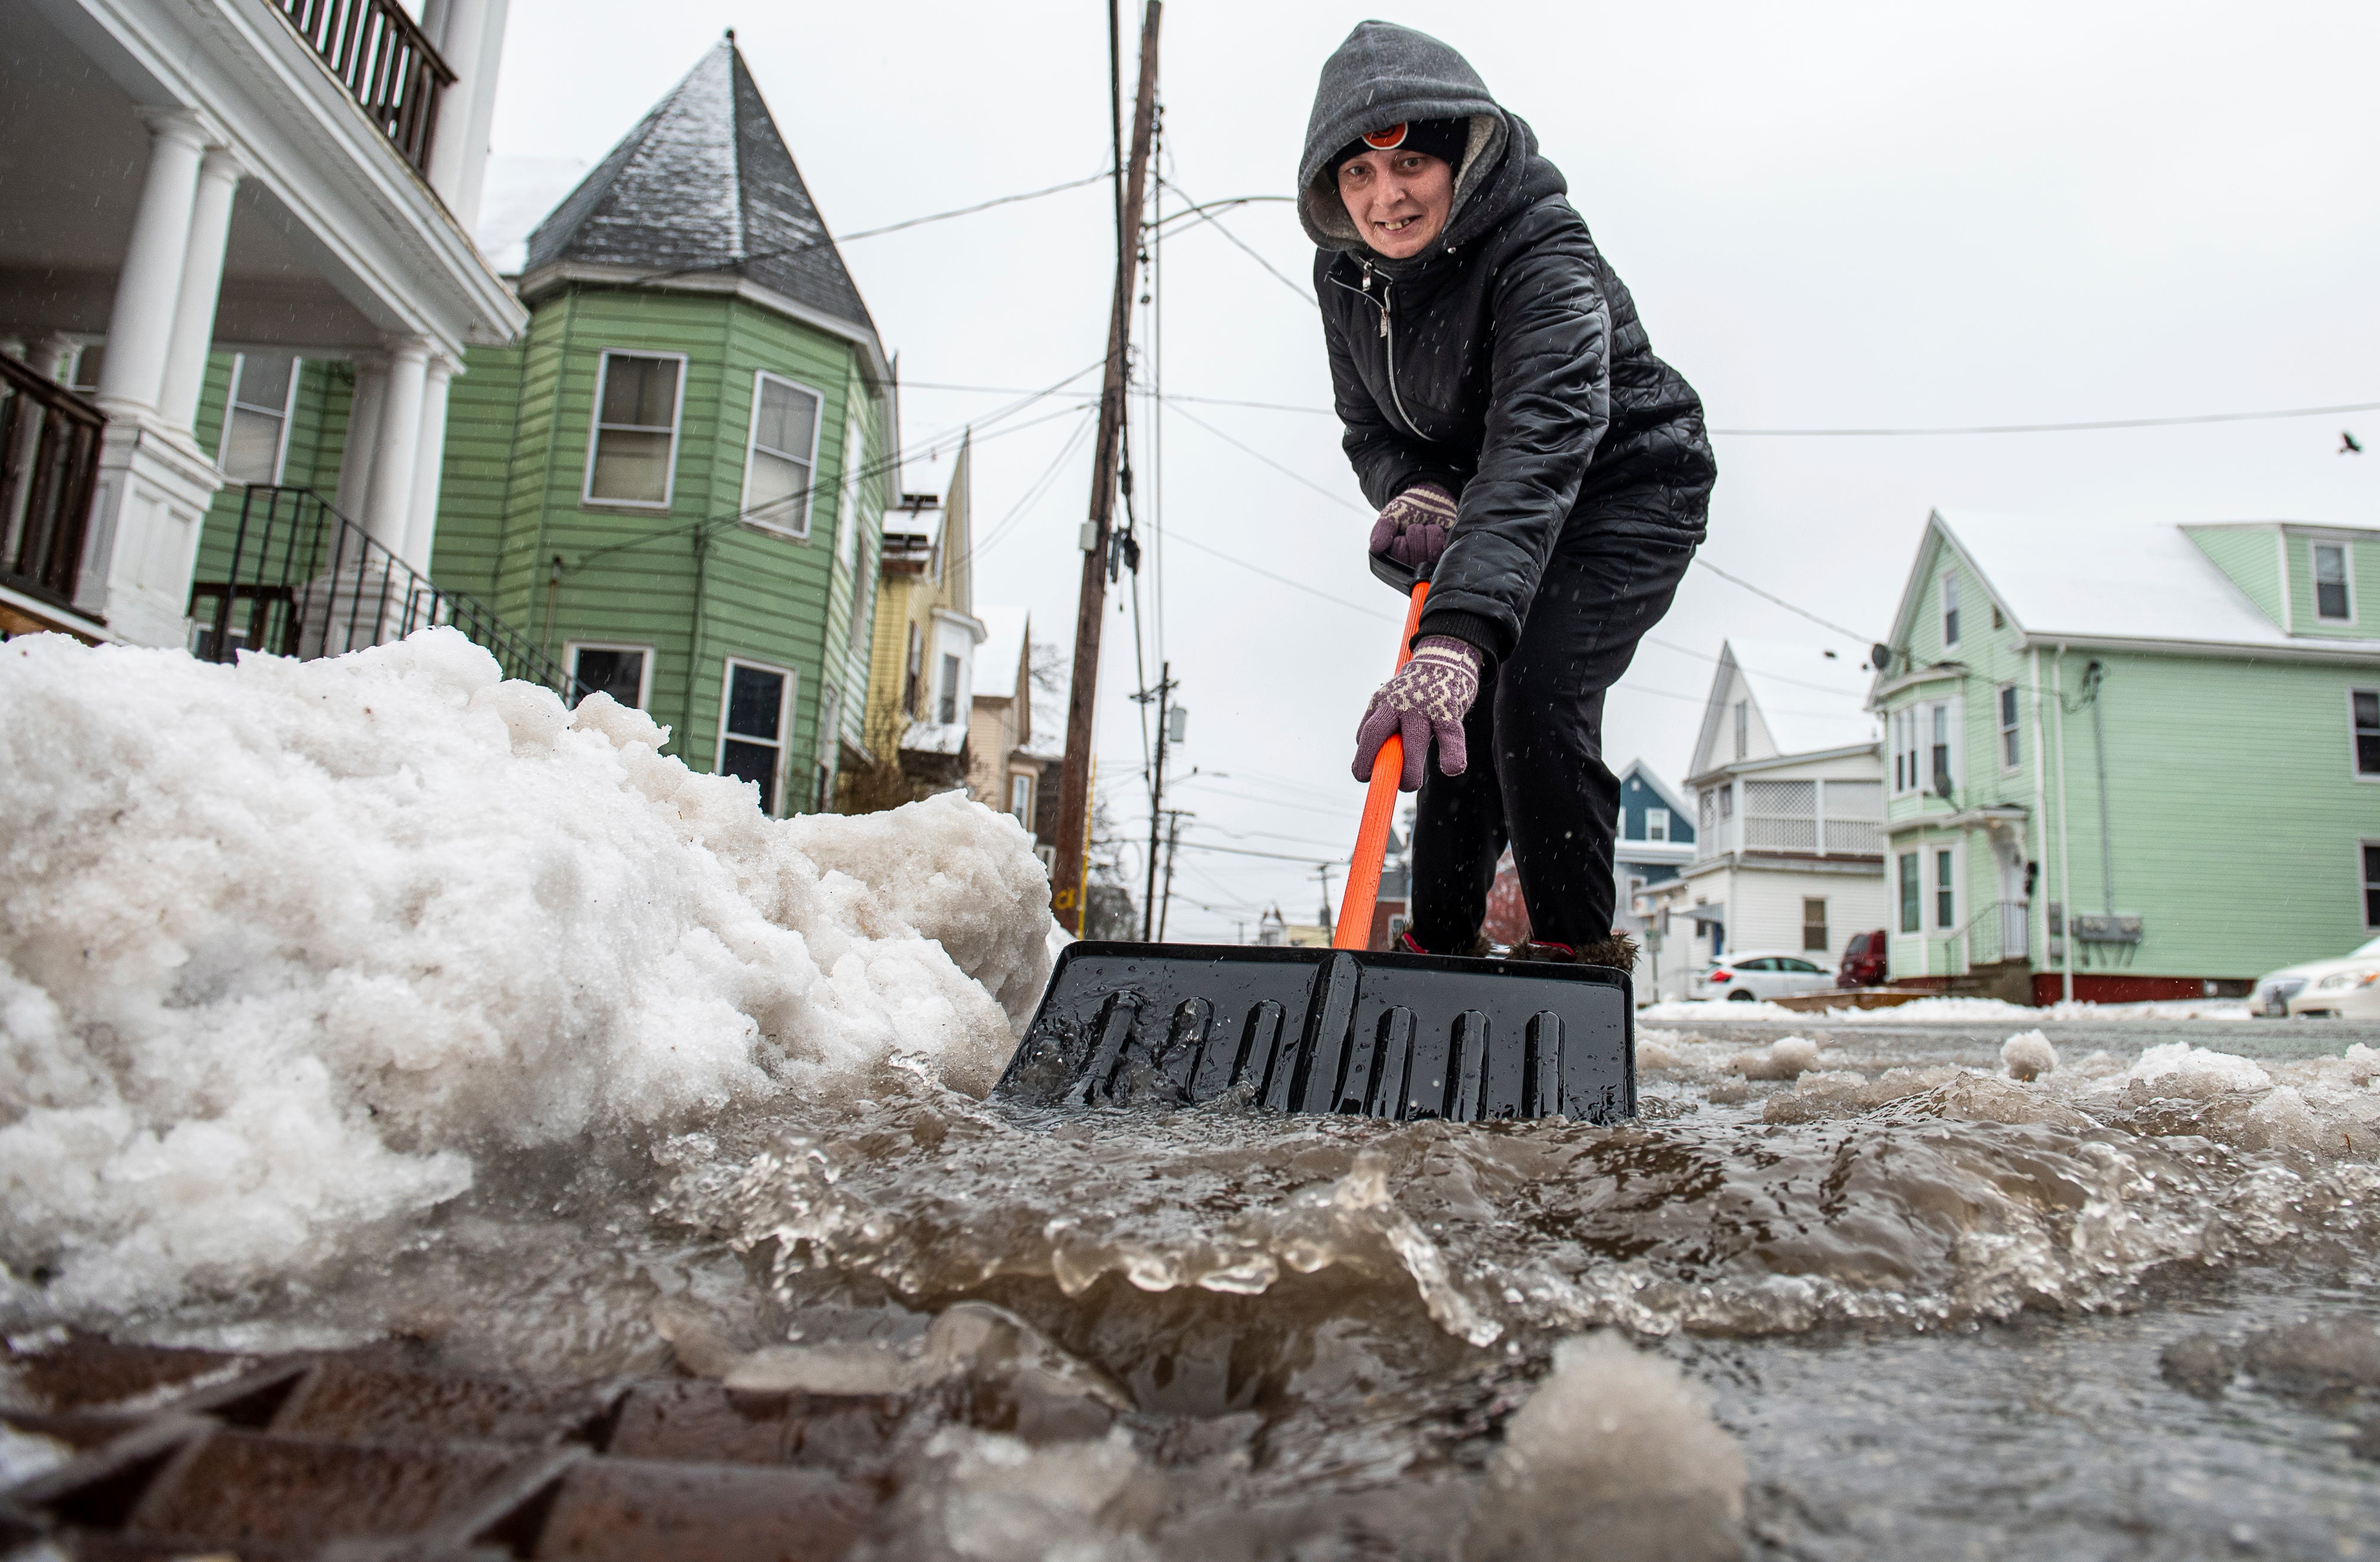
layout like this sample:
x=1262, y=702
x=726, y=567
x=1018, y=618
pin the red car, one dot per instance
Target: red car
x=1863, y=963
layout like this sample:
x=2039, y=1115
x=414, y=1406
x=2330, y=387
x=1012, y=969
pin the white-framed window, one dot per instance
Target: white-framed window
x=755, y=706
x=1656, y=824
x=1727, y=802
x=1020, y=799
x=1939, y=777
x=846, y=523
x=1949, y=610
x=255, y=440
x=946, y=688
x=2334, y=600
x=1909, y=893
x=1814, y=923
x=1946, y=889
x=2012, y=743
x=624, y=671
x=1742, y=728
x=632, y=449
x=2371, y=850
x=2363, y=717
x=780, y=460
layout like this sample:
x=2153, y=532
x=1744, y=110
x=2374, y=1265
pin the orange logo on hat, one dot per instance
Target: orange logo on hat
x=1384, y=140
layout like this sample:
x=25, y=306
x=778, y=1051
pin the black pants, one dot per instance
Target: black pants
x=1536, y=776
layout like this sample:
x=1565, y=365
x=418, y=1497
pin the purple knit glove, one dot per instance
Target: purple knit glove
x=1413, y=530
x=1426, y=700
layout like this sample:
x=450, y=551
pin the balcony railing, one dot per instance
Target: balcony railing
x=49, y=464
x=375, y=49
x=302, y=580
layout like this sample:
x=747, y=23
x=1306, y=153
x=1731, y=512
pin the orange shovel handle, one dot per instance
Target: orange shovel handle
x=1354, y=930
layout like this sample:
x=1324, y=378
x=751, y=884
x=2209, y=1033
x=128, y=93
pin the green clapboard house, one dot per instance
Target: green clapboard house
x=675, y=479
x=673, y=483
x=2130, y=760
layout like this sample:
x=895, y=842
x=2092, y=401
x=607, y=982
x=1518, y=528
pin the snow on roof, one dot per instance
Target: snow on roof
x=1002, y=648
x=935, y=737
x=2103, y=578
x=704, y=183
x=1810, y=700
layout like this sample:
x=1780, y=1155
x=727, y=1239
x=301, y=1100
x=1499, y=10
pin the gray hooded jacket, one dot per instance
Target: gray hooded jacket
x=1505, y=361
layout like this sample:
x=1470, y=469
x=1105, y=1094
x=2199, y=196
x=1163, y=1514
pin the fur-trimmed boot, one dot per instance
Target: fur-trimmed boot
x=1478, y=948
x=1618, y=951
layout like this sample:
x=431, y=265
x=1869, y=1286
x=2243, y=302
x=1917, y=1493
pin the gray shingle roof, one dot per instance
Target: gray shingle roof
x=704, y=184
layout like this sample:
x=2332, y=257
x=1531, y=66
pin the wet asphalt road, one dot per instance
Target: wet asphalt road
x=1883, y=1044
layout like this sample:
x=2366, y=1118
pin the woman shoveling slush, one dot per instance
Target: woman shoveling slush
x=1504, y=410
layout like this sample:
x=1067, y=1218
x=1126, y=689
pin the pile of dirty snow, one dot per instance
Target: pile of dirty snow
x=287, y=951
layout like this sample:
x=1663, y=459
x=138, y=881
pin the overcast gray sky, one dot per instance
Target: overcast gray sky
x=1839, y=215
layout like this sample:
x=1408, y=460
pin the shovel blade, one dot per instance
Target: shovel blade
x=1389, y=1036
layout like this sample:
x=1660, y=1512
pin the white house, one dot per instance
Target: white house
x=1788, y=793
x=272, y=176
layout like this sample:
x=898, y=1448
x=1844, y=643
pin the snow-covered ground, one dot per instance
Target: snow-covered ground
x=1949, y=1009
x=287, y=951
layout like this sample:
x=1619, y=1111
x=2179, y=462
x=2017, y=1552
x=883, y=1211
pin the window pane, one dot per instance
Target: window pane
x=756, y=702
x=252, y=447
x=640, y=390
x=264, y=380
x=620, y=674
x=779, y=490
x=786, y=421
x=631, y=467
x=752, y=762
x=950, y=695
x=2372, y=886
x=2367, y=710
x=1908, y=892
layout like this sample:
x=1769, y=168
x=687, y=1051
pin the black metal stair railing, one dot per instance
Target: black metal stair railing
x=49, y=466
x=386, y=63
x=302, y=580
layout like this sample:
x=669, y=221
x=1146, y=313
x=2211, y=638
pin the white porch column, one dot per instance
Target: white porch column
x=474, y=177
x=388, y=505
x=203, y=264
x=363, y=435
x=458, y=28
x=140, y=325
x=421, y=525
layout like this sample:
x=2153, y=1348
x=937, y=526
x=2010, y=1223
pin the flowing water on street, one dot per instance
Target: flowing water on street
x=1902, y=1305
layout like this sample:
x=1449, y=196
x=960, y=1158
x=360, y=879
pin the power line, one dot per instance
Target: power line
x=1736, y=579
x=1294, y=584
x=826, y=239
x=2054, y=428
x=1294, y=476
x=1207, y=216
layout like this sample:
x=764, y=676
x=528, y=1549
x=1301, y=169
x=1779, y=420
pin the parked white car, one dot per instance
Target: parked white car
x=1761, y=973
x=2273, y=994
x=2350, y=994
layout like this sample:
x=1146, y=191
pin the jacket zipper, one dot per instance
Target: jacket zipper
x=1388, y=335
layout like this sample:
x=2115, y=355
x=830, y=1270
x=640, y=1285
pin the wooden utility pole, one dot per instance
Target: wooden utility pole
x=1075, y=775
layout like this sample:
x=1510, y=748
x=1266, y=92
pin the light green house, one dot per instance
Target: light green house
x=672, y=484
x=2130, y=760
x=676, y=481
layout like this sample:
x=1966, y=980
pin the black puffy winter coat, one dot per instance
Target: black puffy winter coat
x=1505, y=361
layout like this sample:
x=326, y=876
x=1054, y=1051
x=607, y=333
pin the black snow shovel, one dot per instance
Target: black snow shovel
x=1345, y=1029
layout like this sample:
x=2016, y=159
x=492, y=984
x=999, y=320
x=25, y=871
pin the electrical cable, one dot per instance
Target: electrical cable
x=828, y=240
x=1821, y=623
x=1238, y=243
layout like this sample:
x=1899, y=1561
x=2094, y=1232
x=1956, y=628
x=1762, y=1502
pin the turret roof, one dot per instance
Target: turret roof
x=704, y=186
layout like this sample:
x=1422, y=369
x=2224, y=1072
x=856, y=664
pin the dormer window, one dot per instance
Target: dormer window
x=2332, y=603
x=1950, y=610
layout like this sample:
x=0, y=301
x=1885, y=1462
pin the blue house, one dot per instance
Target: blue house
x=1656, y=840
